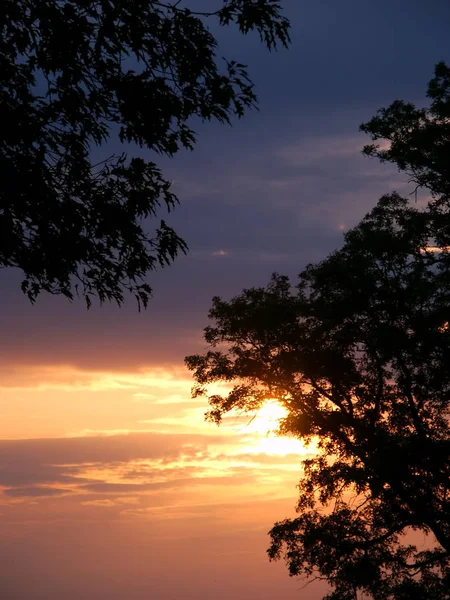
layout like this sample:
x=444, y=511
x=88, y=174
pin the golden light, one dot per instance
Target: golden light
x=434, y=249
x=262, y=428
x=444, y=327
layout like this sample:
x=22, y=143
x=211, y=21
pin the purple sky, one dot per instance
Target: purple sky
x=273, y=191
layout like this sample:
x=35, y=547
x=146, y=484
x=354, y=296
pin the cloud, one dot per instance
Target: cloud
x=315, y=150
x=127, y=500
x=72, y=379
x=13, y=474
x=170, y=484
x=103, y=503
x=35, y=491
x=91, y=450
x=130, y=468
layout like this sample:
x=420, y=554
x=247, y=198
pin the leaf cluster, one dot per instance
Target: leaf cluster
x=73, y=74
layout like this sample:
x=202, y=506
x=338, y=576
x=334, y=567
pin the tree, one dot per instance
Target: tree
x=76, y=72
x=418, y=138
x=358, y=354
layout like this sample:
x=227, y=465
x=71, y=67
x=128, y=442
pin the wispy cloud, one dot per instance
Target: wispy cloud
x=68, y=378
x=135, y=469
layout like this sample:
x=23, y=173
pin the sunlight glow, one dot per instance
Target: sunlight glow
x=263, y=427
x=435, y=249
x=281, y=446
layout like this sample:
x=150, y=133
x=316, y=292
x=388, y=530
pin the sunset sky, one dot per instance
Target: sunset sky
x=112, y=486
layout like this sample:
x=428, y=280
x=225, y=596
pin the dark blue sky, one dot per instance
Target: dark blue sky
x=271, y=193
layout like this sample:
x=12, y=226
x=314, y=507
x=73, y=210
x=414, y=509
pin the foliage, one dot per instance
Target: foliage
x=76, y=72
x=358, y=354
x=418, y=139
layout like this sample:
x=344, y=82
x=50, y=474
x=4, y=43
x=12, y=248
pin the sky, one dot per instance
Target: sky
x=112, y=486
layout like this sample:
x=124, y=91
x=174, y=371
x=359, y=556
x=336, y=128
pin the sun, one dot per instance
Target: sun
x=267, y=418
x=262, y=429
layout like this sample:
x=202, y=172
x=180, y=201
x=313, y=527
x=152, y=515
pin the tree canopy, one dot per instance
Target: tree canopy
x=358, y=352
x=418, y=139
x=73, y=74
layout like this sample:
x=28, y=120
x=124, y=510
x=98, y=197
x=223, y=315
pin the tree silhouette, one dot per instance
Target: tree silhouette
x=72, y=74
x=418, y=138
x=358, y=354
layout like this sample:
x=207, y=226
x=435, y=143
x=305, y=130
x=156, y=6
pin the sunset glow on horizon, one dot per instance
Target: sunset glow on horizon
x=127, y=449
